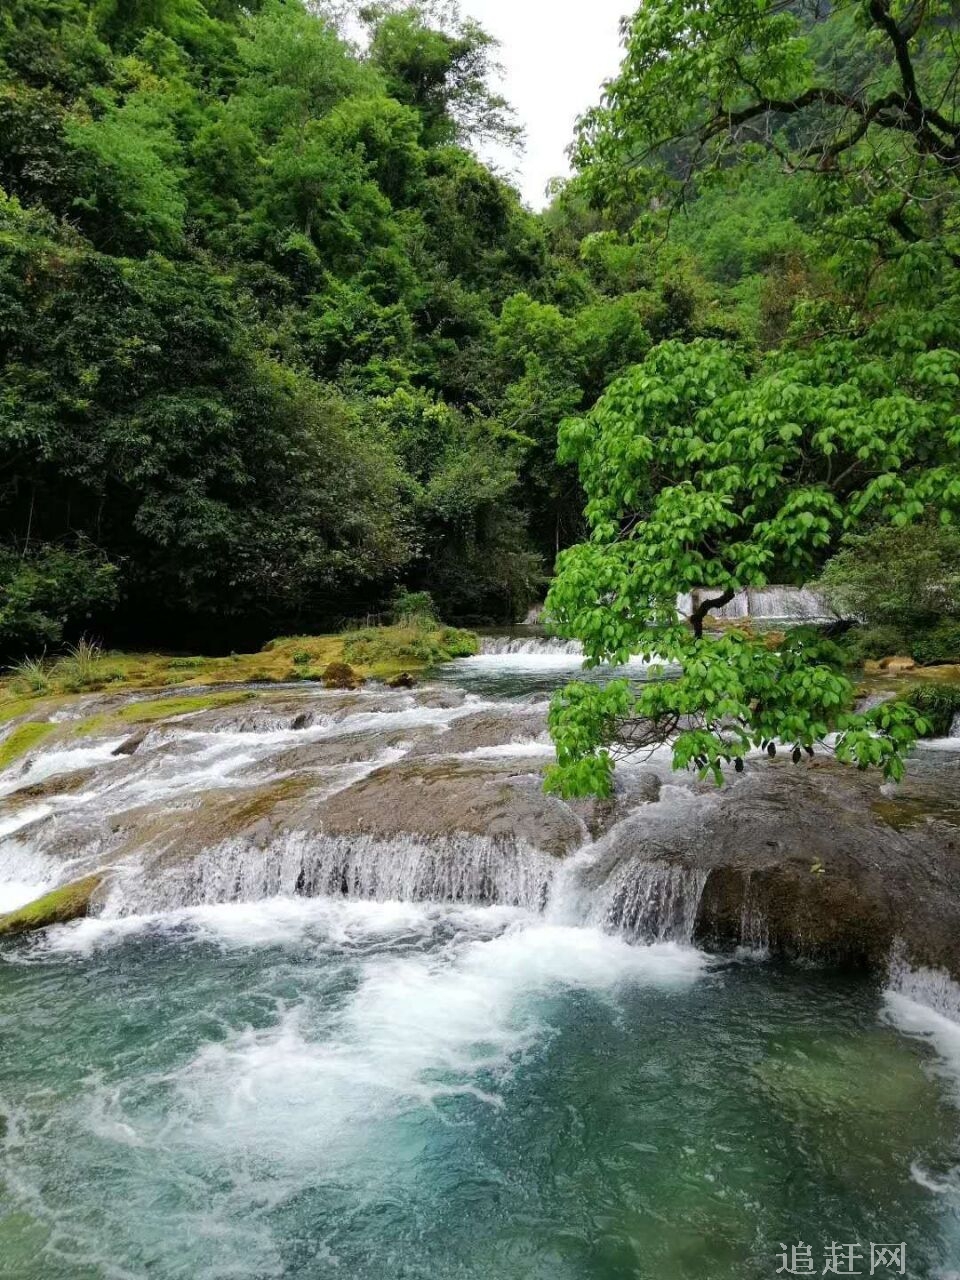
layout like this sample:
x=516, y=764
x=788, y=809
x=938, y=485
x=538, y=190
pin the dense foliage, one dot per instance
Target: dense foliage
x=272, y=339
x=827, y=403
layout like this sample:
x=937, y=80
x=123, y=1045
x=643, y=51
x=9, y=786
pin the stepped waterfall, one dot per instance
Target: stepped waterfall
x=353, y=995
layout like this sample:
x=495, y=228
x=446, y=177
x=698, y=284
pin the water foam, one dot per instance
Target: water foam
x=458, y=868
x=926, y=1003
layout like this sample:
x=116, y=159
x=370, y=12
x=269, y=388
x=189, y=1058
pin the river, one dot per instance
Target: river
x=291, y=1056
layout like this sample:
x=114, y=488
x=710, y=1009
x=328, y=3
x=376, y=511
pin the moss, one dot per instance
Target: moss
x=339, y=675
x=19, y=741
x=380, y=652
x=160, y=709
x=391, y=650
x=69, y=902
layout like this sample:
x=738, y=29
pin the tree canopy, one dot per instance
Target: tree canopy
x=736, y=461
x=258, y=301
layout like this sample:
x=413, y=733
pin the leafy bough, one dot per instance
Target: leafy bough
x=704, y=474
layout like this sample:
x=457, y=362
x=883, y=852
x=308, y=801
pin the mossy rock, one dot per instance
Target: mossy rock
x=69, y=902
x=340, y=675
x=22, y=738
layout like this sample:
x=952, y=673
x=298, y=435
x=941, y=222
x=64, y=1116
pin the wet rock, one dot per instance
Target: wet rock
x=447, y=797
x=800, y=860
x=402, y=681
x=441, y=697
x=70, y=902
x=132, y=745
x=632, y=787
x=484, y=729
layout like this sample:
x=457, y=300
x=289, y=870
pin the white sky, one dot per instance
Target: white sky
x=556, y=55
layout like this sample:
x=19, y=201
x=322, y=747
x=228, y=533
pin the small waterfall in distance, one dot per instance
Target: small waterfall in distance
x=762, y=604
x=496, y=646
x=765, y=604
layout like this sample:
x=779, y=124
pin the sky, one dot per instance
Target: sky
x=556, y=55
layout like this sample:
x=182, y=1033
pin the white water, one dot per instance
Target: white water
x=955, y=727
x=469, y=869
x=764, y=604
x=542, y=646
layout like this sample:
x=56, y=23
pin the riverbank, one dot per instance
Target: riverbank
x=37, y=689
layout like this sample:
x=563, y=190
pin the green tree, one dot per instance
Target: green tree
x=441, y=69
x=705, y=474
x=714, y=467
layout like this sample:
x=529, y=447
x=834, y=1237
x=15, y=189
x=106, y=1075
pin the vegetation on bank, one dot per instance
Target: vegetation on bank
x=273, y=340
x=38, y=688
x=375, y=653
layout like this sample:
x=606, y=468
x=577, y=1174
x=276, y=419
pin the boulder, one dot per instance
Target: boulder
x=70, y=902
x=892, y=666
x=340, y=675
x=812, y=862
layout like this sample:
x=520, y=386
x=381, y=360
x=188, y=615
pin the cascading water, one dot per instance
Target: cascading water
x=462, y=869
x=764, y=604
x=651, y=902
x=292, y=1052
x=955, y=726
x=495, y=646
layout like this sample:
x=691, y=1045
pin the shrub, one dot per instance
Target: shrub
x=898, y=577
x=940, y=643
x=414, y=609
x=938, y=704
x=48, y=592
x=864, y=644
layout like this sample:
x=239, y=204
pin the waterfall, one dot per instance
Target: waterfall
x=754, y=930
x=934, y=989
x=470, y=869
x=765, y=604
x=955, y=726
x=501, y=645
x=650, y=901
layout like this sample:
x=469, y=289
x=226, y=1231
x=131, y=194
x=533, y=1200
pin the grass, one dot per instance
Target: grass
x=70, y=902
x=32, y=672
x=373, y=653
x=22, y=738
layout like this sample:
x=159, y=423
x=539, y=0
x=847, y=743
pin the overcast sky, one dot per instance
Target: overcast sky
x=556, y=54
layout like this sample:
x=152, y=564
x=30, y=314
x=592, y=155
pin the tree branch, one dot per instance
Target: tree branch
x=699, y=614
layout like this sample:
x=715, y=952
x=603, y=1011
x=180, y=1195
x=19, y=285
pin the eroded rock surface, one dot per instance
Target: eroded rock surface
x=430, y=791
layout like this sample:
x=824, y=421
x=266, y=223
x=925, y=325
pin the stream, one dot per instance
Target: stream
x=291, y=1044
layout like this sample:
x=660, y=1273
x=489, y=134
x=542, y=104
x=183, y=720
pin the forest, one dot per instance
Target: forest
x=275, y=343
